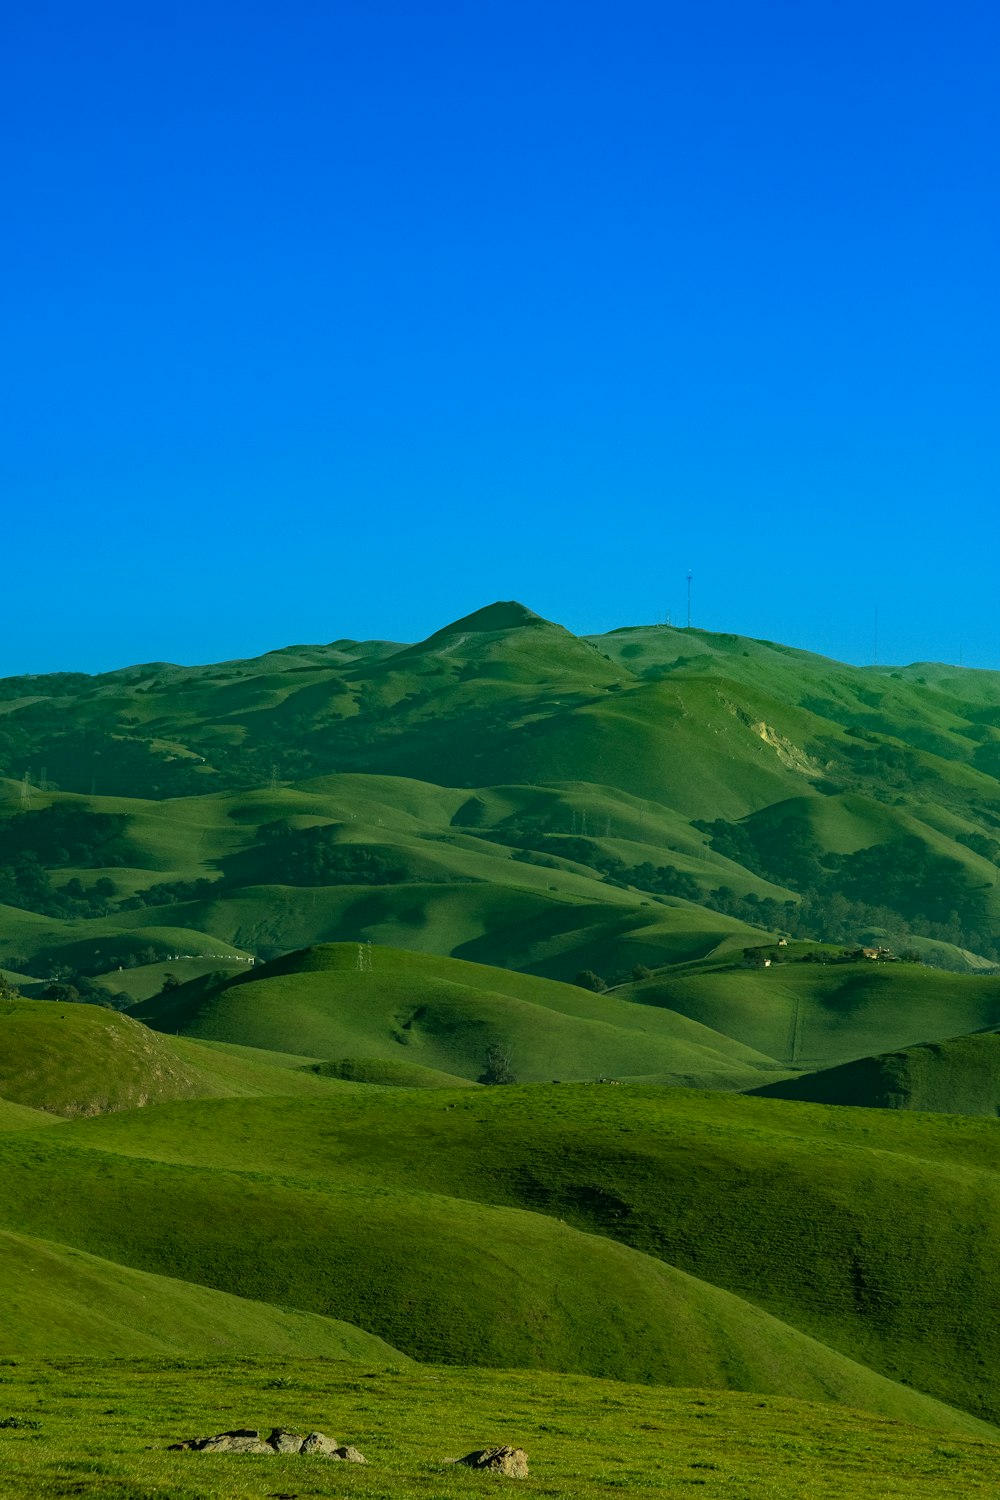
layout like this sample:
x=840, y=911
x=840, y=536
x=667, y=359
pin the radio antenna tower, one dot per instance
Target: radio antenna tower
x=875, y=641
x=690, y=576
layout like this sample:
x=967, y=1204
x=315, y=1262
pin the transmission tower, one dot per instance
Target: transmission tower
x=690, y=576
x=26, y=789
x=364, y=965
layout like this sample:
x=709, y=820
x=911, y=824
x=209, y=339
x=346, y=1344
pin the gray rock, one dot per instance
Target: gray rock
x=283, y=1441
x=240, y=1440
x=350, y=1455
x=318, y=1442
x=511, y=1462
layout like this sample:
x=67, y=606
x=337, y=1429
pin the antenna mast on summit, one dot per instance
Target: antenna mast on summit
x=690, y=576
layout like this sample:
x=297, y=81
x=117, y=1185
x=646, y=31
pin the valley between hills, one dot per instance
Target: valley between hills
x=590, y=1043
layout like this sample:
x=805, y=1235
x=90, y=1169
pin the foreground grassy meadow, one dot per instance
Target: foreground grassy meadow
x=586, y=1044
x=75, y=1428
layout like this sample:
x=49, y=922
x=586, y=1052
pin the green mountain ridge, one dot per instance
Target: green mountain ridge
x=329, y=900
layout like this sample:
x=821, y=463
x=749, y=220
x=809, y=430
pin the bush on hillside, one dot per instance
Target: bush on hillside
x=498, y=1065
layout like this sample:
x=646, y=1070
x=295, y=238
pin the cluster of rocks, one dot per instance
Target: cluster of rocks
x=510, y=1462
x=249, y=1440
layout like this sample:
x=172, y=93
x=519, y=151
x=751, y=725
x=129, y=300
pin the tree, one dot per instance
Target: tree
x=588, y=980
x=498, y=1068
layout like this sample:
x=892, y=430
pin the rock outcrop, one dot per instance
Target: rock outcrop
x=511, y=1462
x=281, y=1440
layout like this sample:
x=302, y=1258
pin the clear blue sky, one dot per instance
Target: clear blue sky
x=344, y=317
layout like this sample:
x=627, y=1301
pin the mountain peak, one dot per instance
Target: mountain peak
x=505, y=614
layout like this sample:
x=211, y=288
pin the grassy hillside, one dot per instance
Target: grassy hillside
x=503, y=792
x=447, y=1015
x=344, y=883
x=77, y=1059
x=808, y=1015
x=322, y=1233
x=959, y=1076
x=84, y=1060
x=821, y=1216
x=61, y=1303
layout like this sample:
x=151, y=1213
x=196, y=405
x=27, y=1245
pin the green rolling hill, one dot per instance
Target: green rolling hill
x=306, y=1209
x=316, y=902
x=503, y=792
x=808, y=1015
x=61, y=1302
x=446, y=1014
x=820, y=1216
x=959, y=1076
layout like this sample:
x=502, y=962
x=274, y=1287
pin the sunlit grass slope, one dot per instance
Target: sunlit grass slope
x=437, y=1276
x=446, y=1014
x=873, y=1231
x=958, y=1076
x=79, y=1059
x=808, y=1015
x=61, y=1302
x=582, y=1436
x=63, y=1059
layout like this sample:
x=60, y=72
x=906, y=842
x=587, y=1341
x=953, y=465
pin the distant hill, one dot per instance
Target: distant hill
x=447, y=1015
x=504, y=792
x=958, y=1076
x=809, y=1015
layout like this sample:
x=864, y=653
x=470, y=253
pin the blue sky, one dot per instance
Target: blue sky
x=343, y=318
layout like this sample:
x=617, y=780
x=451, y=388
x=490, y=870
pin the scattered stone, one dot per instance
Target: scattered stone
x=318, y=1442
x=283, y=1441
x=240, y=1440
x=350, y=1455
x=511, y=1462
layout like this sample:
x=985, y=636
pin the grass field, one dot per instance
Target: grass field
x=78, y=1427
x=670, y=1236
x=817, y=1214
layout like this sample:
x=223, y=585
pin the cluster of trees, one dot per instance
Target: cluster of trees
x=314, y=856
x=902, y=885
x=167, y=892
x=67, y=834
x=80, y=989
x=34, y=843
